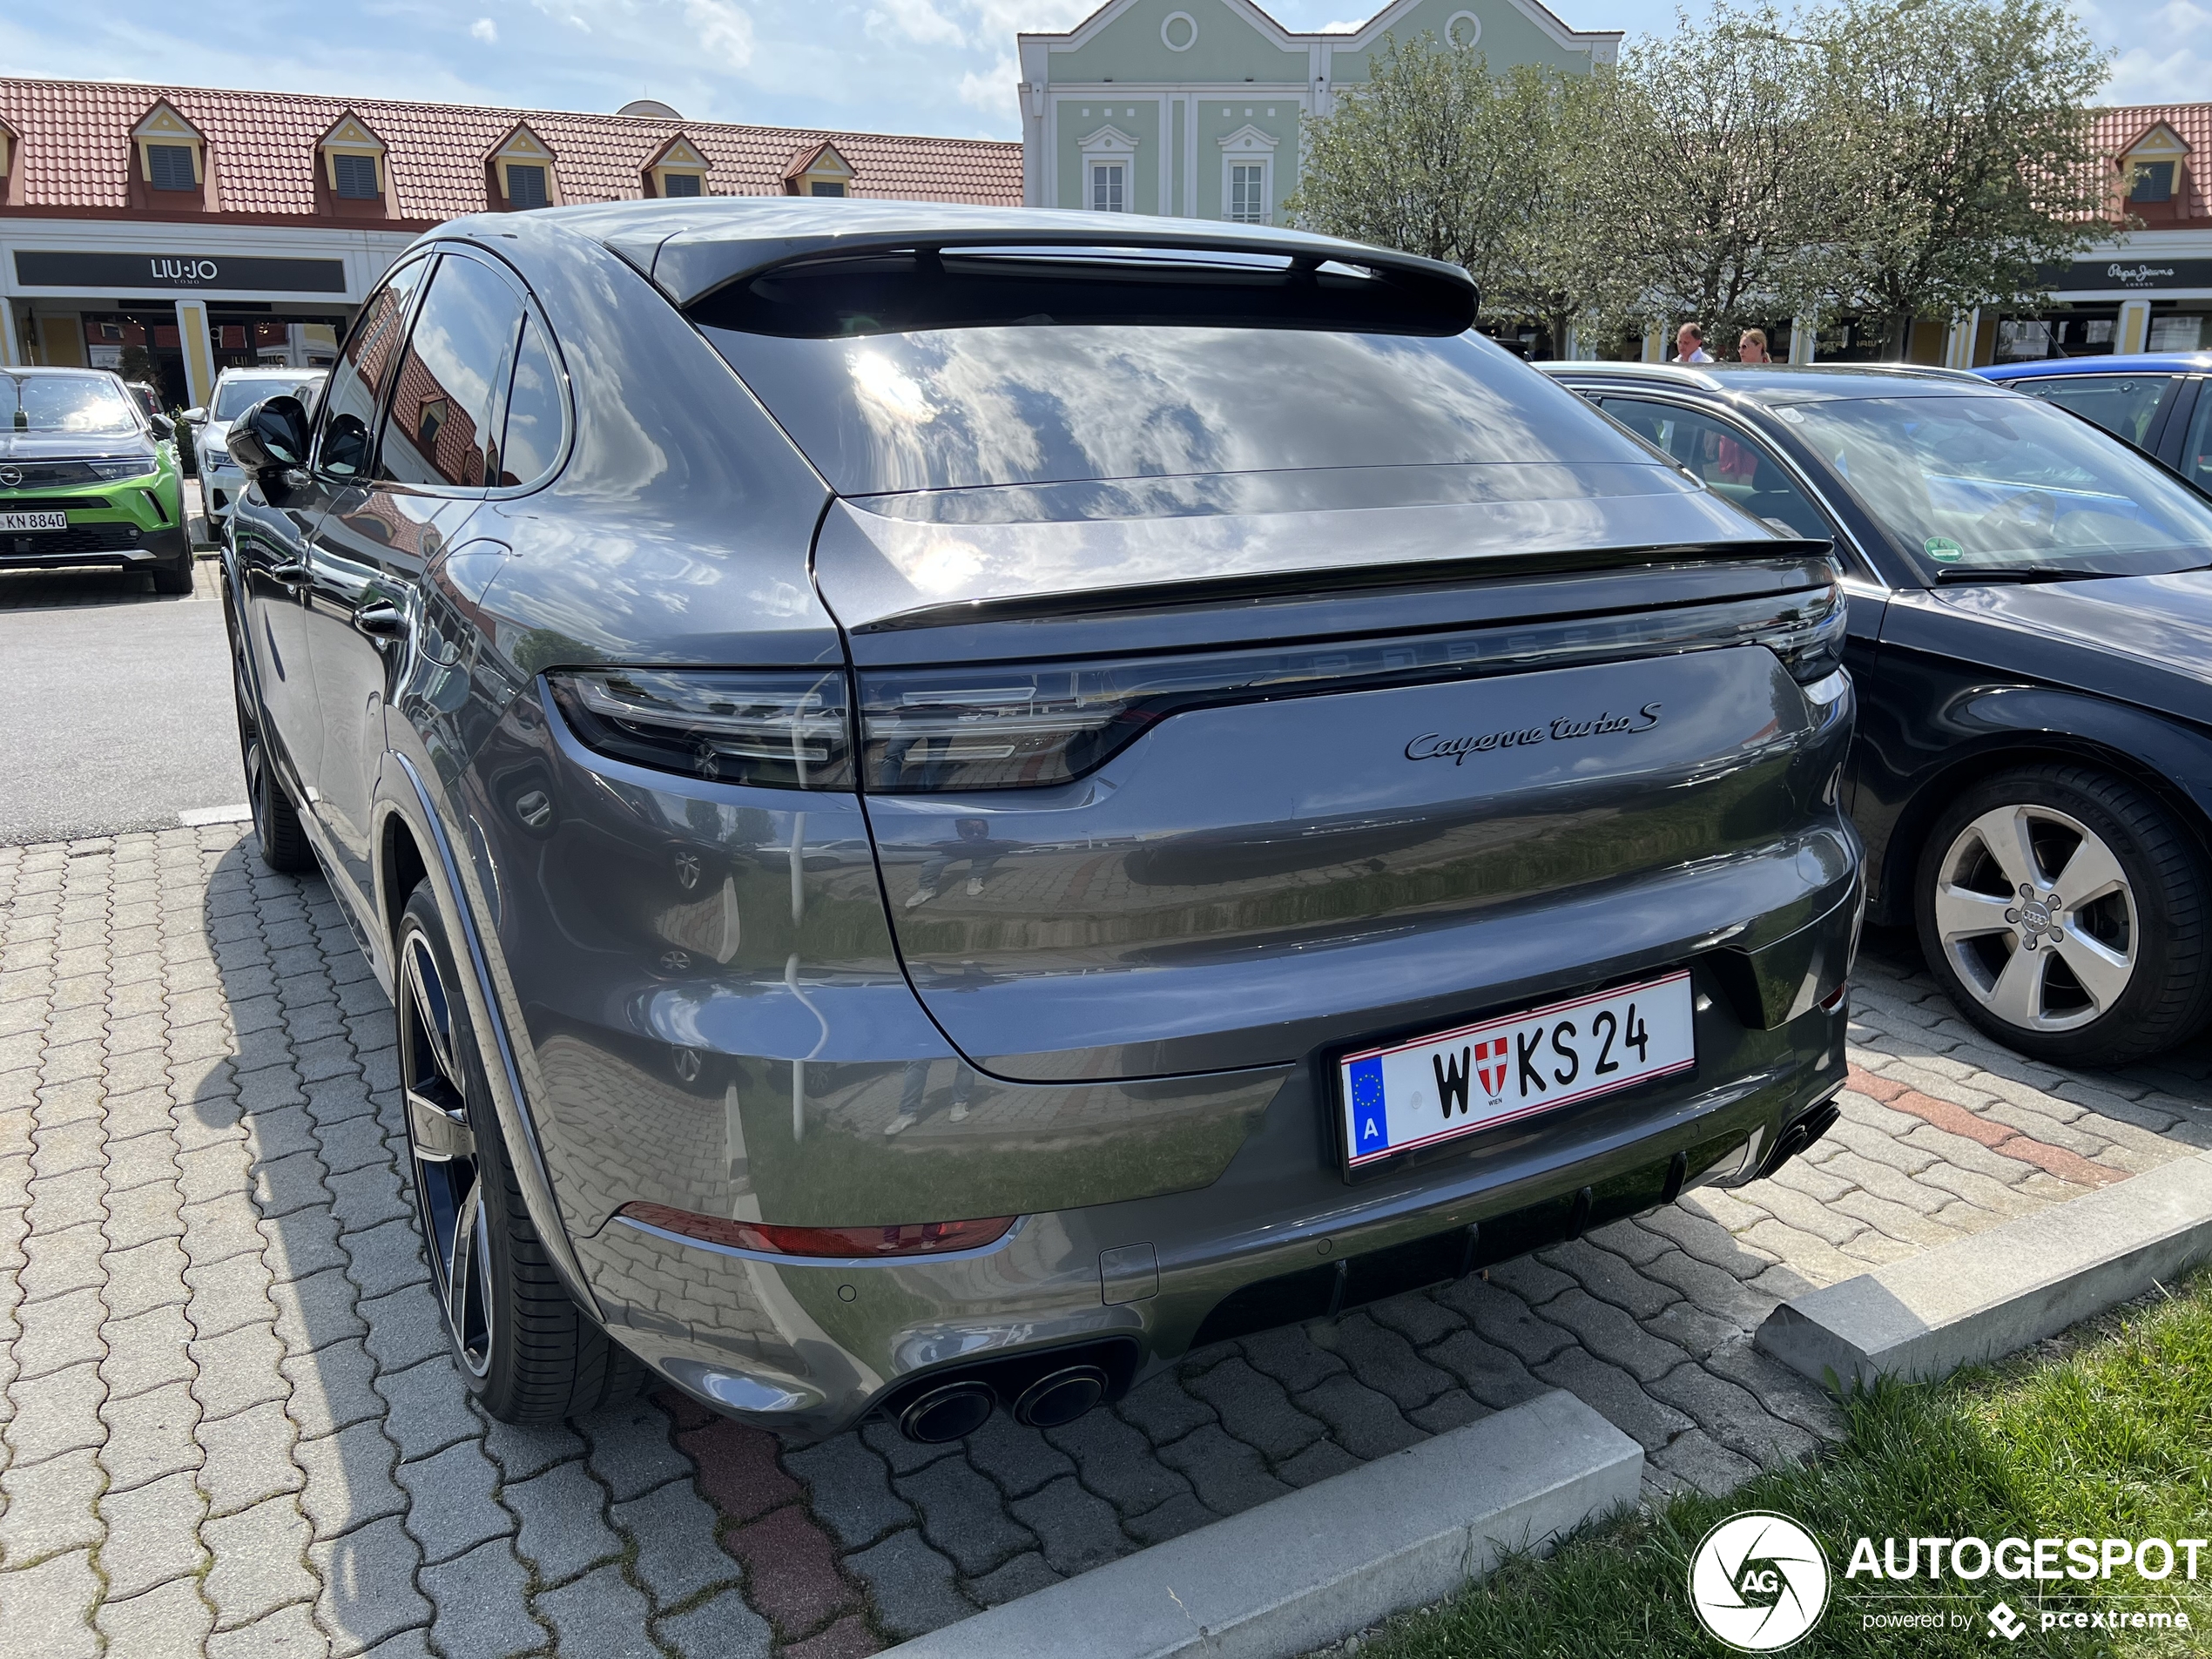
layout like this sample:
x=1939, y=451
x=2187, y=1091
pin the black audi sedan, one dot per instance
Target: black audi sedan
x=2031, y=635
x=952, y=809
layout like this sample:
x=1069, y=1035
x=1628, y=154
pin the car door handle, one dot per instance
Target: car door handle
x=380, y=621
x=294, y=575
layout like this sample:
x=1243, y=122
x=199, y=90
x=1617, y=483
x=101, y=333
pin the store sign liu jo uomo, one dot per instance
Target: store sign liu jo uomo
x=231, y=272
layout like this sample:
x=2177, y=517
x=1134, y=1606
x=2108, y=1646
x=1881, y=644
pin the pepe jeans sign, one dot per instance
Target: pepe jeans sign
x=233, y=273
x=2139, y=276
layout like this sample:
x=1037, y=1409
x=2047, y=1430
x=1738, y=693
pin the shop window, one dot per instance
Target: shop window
x=526, y=186
x=2176, y=333
x=2152, y=181
x=439, y=432
x=355, y=176
x=825, y=187
x=1107, y=187
x=169, y=167
x=680, y=183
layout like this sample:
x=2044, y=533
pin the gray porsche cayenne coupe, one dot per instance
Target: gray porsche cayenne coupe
x=955, y=801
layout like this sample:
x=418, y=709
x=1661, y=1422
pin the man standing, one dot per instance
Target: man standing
x=1690, y=344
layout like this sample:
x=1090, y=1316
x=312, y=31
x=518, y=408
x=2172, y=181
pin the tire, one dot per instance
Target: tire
x=276, y=820
x=175, y=577
x=523, y=1347
x=2119, y=967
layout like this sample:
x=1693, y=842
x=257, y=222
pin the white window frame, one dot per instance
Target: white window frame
x=1247, y=147
x=1108, y=147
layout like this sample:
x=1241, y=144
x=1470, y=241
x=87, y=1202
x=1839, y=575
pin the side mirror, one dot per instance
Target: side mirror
x=163, y=426
x=195, y=415
x=272, y=436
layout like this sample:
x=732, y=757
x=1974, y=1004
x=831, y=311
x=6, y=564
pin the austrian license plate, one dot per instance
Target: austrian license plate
x=1455, y=1082
x=33, y=522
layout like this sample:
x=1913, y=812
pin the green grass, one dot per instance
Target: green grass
x=2105, y=1433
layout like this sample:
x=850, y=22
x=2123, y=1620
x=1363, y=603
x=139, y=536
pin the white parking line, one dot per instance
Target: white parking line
x=202, y=816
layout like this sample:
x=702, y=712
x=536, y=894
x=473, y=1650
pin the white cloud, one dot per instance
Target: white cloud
x=2176, y=71
x=993, y=91
x=485, y=30
x=724, y=31
x=1350, y=28
x=914, y=20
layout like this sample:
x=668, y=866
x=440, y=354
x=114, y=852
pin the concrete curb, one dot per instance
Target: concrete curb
x=1980, y=1297
x=1314, y=1567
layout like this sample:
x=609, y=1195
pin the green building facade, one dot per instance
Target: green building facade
x=1191, y=108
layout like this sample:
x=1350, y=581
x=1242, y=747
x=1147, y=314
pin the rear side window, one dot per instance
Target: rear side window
x=927, y=371
x=357, y=383
x=533, y=412
x=1732, y=463
x=438, y=430
x=2122, y=404
x=2196, y=448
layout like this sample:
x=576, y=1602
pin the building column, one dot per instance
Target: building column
x=1804, y=336
x=11, y=344
x=2134, y=327
x=200, y=351
x=1655, y=343
x=1570, y=350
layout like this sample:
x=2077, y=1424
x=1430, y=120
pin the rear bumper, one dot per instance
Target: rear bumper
x=808, y=1348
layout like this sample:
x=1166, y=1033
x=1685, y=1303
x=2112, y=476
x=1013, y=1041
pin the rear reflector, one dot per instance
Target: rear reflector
x=908, y=1239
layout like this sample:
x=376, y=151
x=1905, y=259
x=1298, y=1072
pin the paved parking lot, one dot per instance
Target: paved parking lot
x=228, y=1425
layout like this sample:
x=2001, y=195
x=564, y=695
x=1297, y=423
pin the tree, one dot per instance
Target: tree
x=1437, y=156
x=1956, y=145
x=1713, y=188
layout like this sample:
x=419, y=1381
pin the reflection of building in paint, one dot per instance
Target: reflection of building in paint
x=214, y=229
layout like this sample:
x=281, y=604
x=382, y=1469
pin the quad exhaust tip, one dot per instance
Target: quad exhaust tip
x=1059, y=1397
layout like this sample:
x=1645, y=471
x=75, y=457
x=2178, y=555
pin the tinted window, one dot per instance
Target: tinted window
x=2119, y=403
x=2197, y=449
x=2001, y=483
x=1732, y=463
x=533, y=412
x=234, y=397
x=439, y=423
x=356, y=385
x=1024, y=366
x=65, y=403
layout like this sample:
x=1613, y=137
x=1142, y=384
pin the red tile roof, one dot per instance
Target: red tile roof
x=2192, y=123
x=76, y=152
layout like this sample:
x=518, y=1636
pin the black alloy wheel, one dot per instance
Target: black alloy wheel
x=2066, y=914
x=276, y=821
x=523, y=1347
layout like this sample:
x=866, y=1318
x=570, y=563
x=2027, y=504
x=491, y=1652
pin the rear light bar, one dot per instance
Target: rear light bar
x=957, y=730
x=907, y=1238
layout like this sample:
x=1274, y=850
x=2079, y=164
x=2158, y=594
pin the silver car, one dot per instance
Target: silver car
x=953, y=808
x=236, y=391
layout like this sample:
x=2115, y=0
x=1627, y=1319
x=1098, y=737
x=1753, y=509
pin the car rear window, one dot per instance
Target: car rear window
x=914, y=371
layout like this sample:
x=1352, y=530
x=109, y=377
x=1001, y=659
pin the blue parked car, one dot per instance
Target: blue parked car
x=2156, y=400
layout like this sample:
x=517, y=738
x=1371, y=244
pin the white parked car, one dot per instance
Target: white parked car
x=236, y=391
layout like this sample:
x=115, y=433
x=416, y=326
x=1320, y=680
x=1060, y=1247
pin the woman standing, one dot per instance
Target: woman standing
x=1751, y=347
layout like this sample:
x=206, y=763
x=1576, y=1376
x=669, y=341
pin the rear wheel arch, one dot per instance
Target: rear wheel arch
x=1908, y=836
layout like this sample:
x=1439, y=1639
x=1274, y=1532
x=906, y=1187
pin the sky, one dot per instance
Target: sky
x=933, y=66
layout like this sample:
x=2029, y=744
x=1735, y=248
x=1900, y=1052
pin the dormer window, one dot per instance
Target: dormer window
x=526, y=184
x=819, y=171
x=2152, y=181
x=523, y=170
x=676, y=168
x=171, y=153
x=353, y=160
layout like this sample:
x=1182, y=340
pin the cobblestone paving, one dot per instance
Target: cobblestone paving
x=228, y=1425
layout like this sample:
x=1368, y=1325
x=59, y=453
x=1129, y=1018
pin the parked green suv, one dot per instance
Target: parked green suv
x=87, y=477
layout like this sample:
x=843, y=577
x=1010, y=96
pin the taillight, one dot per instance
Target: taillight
x=954, y=730
x=783, y=729
x=909, y=1239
